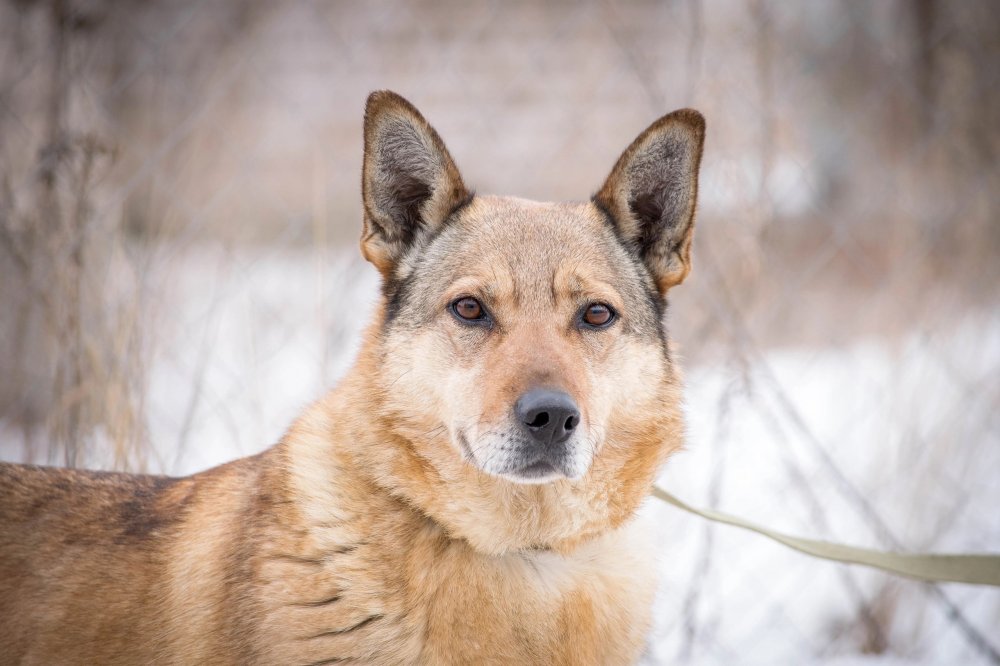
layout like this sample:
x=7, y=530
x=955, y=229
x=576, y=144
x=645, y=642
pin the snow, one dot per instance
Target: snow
x=901, y=425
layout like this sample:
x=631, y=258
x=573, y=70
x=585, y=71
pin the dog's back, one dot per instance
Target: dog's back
x=87, y=559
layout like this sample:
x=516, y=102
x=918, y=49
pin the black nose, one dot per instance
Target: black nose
x=550, y=416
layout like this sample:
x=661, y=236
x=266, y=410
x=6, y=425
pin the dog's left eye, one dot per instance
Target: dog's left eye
x=469, y=309
x=598, y=315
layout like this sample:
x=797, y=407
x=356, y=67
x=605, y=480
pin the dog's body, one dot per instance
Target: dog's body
x=466, y=495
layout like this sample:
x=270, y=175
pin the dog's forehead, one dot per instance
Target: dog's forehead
x=490, y=215
x=528, y=241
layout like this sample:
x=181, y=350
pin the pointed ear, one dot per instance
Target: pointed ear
x=651, y=194
x=409, y=182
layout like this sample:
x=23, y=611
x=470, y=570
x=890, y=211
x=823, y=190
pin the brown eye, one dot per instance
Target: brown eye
x=468, y=308
x=598, y=315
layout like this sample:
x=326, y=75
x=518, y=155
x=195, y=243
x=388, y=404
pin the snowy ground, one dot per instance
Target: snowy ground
x=843, y=444
x=876, y=444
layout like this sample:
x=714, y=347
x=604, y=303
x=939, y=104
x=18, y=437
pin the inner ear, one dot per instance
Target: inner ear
x=398, y=201
x=656, y=189
x=652, y=191
x=409, y=183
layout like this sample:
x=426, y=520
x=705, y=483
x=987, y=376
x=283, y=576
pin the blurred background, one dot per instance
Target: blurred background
x=179, y=273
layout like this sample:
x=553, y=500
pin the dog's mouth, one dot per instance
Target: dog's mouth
x=538, y=472
x=519, y=467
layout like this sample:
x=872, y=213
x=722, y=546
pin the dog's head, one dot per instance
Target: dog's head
x=520, y=356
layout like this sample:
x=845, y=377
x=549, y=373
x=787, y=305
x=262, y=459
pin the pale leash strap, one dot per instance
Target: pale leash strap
x=936, y=567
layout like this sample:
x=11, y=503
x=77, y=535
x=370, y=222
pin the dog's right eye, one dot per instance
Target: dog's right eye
x=469, y=309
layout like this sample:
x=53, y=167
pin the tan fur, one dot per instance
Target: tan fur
x=374, y=532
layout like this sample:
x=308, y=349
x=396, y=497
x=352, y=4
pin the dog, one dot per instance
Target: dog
x=466, y=495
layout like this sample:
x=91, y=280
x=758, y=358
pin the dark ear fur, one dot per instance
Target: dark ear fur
x=409, y=182
x=651, y=194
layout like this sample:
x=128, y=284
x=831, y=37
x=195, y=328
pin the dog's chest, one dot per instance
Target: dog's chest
x=540, y=607
x=440, y=602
